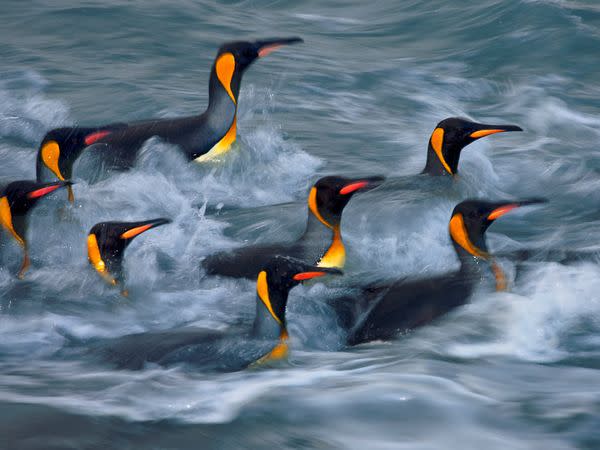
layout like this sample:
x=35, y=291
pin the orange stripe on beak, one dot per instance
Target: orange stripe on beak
x=268, y=49
x=499, y=212
x=135, y=231
x=308, y=275
x=94, y=137
x=483, y=133
x=43, y=191
x=352, y=187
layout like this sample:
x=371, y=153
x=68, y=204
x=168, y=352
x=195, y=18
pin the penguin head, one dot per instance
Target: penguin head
x=233, y=58
x=450, y=136
x=470, y=220
x=61, y=147
x=18, y=198
x=23, y=195
x=329, y=196
x=107, y=241
x=280, y=275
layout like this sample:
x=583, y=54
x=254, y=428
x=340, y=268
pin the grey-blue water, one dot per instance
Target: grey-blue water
x=515, y=370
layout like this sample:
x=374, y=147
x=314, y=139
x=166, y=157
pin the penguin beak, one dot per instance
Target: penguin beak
x=268, y=46
x=507, y=207
x=316, y=272
x=51, y=187
x=95, y=137
x=482, y=130
x=362, y=184
x=143, y=226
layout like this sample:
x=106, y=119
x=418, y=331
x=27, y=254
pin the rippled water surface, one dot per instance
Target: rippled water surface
x=514, y=370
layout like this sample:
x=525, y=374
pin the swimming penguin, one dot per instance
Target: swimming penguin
x=384, y=310
x=201, y=137
x=230, y=350
x=448, y=139
x=321, y=243
x=16, y=200
x=106, y=244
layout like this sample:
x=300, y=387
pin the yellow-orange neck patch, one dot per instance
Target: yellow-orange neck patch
x=335, y=256
x=280, y=351
x=6, y=220
x=437, y=141
x=458, y=231
x=50, y=157
x=262, y=289
x=225, y=67
x=222, y=146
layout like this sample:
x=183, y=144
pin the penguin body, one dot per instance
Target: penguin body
x=230, y=350
x=381, y=311
x=200, y=137
x=321, y=243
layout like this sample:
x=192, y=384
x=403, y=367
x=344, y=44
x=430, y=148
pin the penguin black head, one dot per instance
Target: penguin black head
x=276, y=279
x=233, y=58
x=16, y=199
x=107, y=241
x=61, y=147
x=450, y=137
x=329, y=196
x=470, y=220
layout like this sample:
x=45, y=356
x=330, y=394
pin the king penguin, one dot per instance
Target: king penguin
x=381, y=311
x=222, y=351
x=321, y=243
x=202, y=137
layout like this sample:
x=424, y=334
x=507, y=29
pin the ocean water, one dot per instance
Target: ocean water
x=514, y=370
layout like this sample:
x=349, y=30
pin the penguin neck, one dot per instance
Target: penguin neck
x=327, y=237
x=443, y=164
x=471, y=265
x=220, y=102
x=265, y=326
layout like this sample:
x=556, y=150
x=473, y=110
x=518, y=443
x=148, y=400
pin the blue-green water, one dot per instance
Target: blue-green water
x=512, y=370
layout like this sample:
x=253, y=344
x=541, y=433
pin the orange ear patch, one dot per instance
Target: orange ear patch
x=95, y=137
x=94, y=254
x=50, y=155
x=6, y=220
x=262, y=289
x=312, y=206
x=225, y=67
x=135, y=231
x=458, y=232
x=437, y=141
